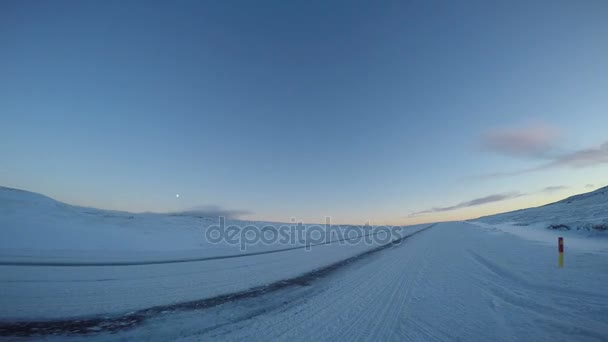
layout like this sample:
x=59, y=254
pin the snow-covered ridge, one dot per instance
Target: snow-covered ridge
x=36, y=226
x=59, y=261
x=37, y=229
x=588, y=211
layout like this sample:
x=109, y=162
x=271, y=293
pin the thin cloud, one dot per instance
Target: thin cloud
x=577, y=159
x=532, y=141
x=472, y=203
x=502, y=174
x=583, y=158
x=588, y=157
x=554, y=188
x=214, y=211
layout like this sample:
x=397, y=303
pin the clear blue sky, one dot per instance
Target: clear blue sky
x=393, y=112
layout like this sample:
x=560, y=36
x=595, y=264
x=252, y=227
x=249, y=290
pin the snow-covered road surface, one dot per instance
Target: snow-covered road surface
x=456, y=281
x=61, y=292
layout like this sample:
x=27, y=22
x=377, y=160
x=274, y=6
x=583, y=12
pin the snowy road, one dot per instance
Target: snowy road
x=456, y=281
x=42, y=293
x=453, y=282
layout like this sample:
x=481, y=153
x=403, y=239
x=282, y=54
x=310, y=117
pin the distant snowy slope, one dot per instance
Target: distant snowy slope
x=588, y=211
x=31, y=223
x=35, y=228
x=58, y=260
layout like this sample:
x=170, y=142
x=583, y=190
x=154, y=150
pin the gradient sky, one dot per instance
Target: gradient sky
x=389, y=112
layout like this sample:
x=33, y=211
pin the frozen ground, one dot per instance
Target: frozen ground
x=36, y=229
x=59, y=261
x=586, y=212
x=474, y=281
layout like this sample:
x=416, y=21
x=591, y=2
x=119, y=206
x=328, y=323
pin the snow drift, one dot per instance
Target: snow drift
x=587, y=212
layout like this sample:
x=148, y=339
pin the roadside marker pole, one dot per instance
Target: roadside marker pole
x=560, y=246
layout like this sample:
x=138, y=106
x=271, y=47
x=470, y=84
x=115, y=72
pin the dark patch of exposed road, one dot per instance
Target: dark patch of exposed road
x=113, y=324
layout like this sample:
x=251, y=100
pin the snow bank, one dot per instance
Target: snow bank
x=61, y=261
x=586, y=212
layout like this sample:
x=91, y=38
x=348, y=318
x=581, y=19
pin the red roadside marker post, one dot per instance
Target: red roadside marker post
x=560, y=247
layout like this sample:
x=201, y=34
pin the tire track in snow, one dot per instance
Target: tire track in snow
x=113, y=324
x=433, y=290
x=348, y=303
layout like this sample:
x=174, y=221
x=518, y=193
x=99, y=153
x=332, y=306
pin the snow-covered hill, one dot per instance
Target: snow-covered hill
x=35, y=228
x=52, y=253
x=588, y=211
x=79, y=272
